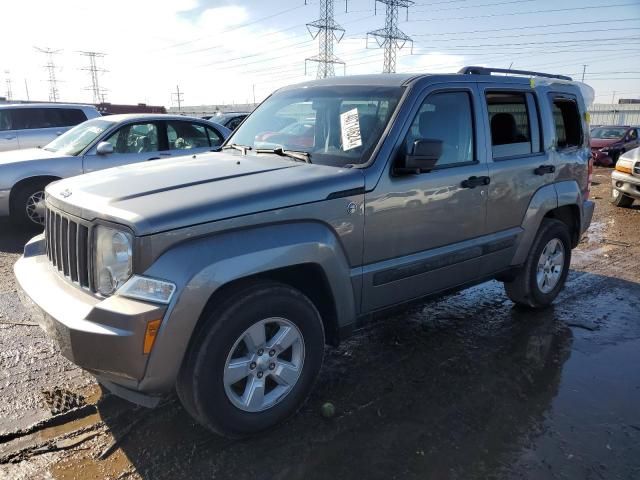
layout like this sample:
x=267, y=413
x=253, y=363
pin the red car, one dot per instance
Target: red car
x=608, y=143
x=298, y=135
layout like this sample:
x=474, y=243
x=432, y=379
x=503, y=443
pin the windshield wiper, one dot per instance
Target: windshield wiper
x=235, y=146
x=297, y=155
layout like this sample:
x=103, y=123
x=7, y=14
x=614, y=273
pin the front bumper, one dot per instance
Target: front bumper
x=4, y=202
x=626, y=183
x=601, y=158
x=103, y=336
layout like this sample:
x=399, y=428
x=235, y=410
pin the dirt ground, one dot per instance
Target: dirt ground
x=461, y=388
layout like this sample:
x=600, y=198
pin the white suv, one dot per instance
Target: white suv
x=28, y=125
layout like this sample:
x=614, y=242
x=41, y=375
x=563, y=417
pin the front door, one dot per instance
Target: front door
x=422, y=231
x=8, y=134
x=132, y=143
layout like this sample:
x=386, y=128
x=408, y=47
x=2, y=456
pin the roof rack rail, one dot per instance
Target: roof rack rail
x=489, y=71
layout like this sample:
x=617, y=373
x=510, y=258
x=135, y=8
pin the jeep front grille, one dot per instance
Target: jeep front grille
x=68, y=249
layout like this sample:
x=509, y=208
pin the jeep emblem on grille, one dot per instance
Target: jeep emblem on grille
x=65, y=193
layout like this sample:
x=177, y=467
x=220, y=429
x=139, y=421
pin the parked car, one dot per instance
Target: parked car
x=609, y=142
x=30, y=125
x=296, y=135
x=223, y=276
x=231, y=120
x=625, y=180
x=95, y=145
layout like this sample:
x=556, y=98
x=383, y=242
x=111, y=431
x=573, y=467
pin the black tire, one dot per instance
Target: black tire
x=523, y=290
x=19, y=201
x=200, y=384
x=619, y=199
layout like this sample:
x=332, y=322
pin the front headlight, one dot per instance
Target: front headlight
x=113, y=258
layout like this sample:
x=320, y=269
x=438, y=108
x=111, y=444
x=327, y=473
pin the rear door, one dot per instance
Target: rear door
x=132, y=143
x=188, y=137
x=8, y=134
x=518, y=163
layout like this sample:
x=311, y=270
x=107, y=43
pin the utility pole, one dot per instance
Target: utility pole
x=26, y=88
x=254, y=94
x=391, y=37
x=7, y=79
x=50, y=67
x=326, y=30
x=584, y=69
x=178, y=95
x=94, y=71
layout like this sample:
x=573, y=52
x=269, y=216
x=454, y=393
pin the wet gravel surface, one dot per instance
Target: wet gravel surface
x=462, y=388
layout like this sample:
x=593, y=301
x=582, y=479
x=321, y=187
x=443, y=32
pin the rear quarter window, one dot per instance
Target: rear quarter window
x=567, y=122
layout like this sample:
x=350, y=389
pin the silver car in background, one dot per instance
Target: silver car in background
x=97, y=144
x=30, y=125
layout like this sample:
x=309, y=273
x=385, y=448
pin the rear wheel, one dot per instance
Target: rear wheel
x=27, y=204
x=544, y=273
x=619, y=199
x=255, y=361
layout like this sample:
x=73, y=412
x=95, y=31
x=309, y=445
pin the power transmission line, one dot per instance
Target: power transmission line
x=94, y=71
x=178, y=96
x=50, y=67
x=7, y=79
x=326, y=30
x=391, y=37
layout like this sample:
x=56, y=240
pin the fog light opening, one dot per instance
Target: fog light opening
x=619, y=184
x=150, y=335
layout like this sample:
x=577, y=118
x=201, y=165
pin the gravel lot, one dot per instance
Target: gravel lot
x=464, y=387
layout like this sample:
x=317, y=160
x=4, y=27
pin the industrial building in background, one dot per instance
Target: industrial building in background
x=326, y=30
x=391, y=38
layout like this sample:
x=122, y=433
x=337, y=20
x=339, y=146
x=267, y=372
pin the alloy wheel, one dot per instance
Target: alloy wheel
x=550, y=266
x=264, y=364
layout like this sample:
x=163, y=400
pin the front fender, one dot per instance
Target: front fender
x=201, y=266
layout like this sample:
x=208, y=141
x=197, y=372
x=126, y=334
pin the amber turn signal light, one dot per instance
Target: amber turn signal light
x=150, y=335
x=623, y=168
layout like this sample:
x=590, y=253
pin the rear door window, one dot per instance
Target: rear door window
x=6, y=119
x=71, y=116
x=186, y=135
x=513, y=121
x=566, y=118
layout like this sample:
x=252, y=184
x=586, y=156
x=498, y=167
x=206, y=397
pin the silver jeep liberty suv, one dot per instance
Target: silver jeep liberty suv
x=223, y=275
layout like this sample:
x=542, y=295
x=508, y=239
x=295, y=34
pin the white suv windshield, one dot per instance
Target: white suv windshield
x=78, y=138
x=336, y=125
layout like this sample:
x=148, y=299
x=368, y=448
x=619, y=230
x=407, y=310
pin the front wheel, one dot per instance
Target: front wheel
x=28, y=205
x=255, y=360
x=545, y=271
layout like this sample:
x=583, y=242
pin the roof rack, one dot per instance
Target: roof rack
x=489, y=71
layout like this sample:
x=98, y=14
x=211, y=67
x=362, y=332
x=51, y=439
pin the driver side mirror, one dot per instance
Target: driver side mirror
x=424, y=155
x=104, y=148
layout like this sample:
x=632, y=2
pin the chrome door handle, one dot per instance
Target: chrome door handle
x=10, y=138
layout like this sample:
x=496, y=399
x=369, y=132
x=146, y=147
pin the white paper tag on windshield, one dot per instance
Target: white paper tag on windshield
x=350, y=126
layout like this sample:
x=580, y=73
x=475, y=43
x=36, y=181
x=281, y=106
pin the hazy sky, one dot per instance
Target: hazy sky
x=217, y=51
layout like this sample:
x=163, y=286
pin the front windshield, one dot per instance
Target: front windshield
x=336, y=125
x=607, y=133
x=78, y=138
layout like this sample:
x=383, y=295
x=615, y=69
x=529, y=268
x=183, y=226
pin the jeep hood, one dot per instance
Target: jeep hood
x=603, y=142
x=177, y=192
